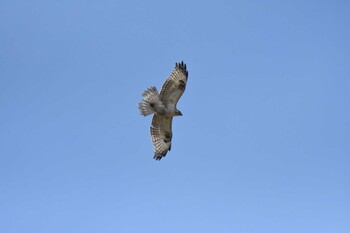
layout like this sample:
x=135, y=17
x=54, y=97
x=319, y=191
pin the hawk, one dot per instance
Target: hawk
x=163, y=107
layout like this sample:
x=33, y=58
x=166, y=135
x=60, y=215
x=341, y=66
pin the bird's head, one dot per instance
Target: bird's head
x=178, y=113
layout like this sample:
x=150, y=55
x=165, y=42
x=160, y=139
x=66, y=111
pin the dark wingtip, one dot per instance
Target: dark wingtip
x=158, y=157
x=182, y=66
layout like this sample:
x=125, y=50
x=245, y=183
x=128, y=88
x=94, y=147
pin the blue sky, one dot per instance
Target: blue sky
x=263, y=144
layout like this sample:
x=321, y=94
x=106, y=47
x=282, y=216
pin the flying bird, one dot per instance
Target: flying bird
x=163, y=107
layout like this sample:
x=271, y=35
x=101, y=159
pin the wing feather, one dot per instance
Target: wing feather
x=175, y=85
x=161, y=133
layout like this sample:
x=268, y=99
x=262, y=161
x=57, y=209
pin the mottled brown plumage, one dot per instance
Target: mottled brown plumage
x=163, y=105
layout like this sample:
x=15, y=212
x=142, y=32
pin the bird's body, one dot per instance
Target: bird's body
x=163, y=106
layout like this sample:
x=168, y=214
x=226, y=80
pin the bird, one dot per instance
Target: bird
x=163, y=107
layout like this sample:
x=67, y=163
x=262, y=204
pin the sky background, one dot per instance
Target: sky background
x=263, y=144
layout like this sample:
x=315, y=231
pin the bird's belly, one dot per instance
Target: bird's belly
x=170, y=110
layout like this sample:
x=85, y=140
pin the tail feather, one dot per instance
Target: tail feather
x=151, y=102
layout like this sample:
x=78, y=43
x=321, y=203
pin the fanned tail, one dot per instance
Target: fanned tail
x=151, y=102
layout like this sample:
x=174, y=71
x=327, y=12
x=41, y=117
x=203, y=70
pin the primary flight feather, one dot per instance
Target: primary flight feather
x=163, y=106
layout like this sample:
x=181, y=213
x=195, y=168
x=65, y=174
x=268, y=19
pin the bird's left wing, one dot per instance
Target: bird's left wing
x=161, y=133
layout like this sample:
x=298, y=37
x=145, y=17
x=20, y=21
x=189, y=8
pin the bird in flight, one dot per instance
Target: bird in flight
x=163, y=107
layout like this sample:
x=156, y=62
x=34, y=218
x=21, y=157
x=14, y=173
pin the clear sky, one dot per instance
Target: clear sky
x=263, y=144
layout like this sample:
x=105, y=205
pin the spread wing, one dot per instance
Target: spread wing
x=161, y=135
x=175, y=85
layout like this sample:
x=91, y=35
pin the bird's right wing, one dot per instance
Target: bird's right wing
x=175, y=85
